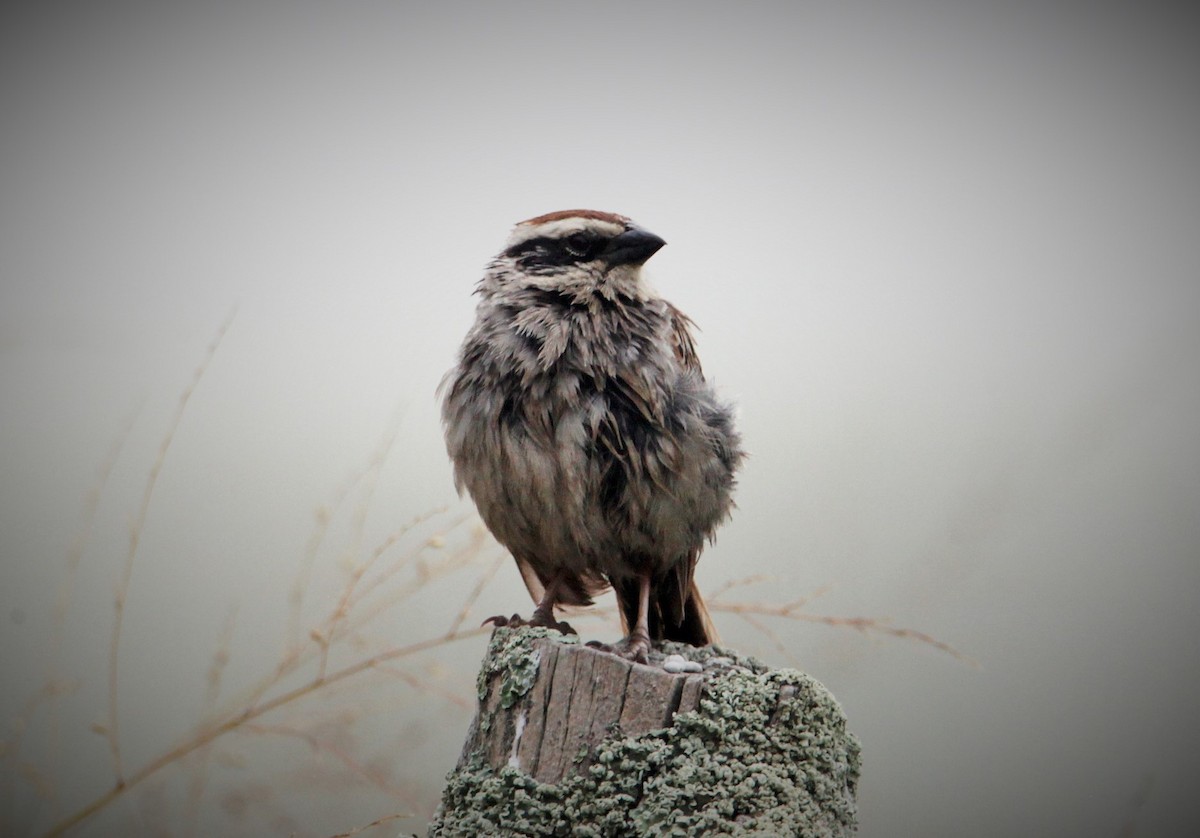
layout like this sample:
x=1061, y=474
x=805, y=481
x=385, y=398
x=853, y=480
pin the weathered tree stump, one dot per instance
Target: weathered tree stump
x=572, y=741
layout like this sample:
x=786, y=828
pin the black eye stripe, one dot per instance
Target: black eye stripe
x=582, y=246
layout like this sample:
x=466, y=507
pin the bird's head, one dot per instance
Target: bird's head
x=578, y=251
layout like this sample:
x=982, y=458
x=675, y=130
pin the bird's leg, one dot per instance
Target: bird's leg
x=636, y=646
x=543, y=615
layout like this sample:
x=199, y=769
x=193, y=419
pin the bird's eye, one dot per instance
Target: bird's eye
x=578, y=244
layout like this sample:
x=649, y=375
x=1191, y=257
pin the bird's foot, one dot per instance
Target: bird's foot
x=635, y=647
x=500, y=621
x=516, y=621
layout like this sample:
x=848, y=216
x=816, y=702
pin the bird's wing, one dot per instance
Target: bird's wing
x=576, y=589
x=682, y=341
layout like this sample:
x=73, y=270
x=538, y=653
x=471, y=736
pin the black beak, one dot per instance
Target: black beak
x=633, y=247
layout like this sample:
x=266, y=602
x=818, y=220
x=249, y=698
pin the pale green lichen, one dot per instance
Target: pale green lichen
x=743, y=764
x=511, y=656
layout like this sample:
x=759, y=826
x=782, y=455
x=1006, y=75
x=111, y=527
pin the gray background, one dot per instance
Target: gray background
x=943, y=255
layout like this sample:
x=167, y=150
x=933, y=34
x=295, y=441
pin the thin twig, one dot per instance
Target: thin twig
x=730, y=584
x=295, y=658
x=340, y=612
x=424, y=686
x=323, y=746
x=53, y=687
x=425, y=573
x=771, y=635
x=434, y=543
x=233, y=722
x=371, y=481
x=790, y=611
x=371, y=825
x=113, y=730
x=81, y=540
x=473, y=596
x=325, y=516
x=352, y=596
x=216, y=670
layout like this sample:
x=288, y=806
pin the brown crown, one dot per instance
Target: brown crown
x=577, y=213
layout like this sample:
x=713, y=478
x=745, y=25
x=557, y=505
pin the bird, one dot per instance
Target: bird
x=579, y=421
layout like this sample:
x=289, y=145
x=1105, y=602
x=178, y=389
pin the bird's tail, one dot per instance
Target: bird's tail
x=675, y=614
x=696, y=626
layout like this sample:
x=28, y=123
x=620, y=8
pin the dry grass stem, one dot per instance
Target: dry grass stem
x=321, y=745
x=750, y=611
x=113, y=729
x=741, y=582
x=325, y=515
x=351, y=596
x=244, y=716
x=465, y=701
x=371, y=825
x=424, y=573
x=322, y=636
x=55, y=686
x=67, y=590
x=325, y=638
x=473, y=596
x=212, y=693
x=771, y=635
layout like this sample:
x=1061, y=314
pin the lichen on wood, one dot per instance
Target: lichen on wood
x=571, y=741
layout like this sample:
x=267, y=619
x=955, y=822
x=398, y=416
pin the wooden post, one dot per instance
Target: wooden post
x=572, y=741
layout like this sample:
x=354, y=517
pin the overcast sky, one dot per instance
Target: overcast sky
x=945, y=257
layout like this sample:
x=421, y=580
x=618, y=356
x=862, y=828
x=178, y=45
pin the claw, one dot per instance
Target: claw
x=500, y=621
x=516, y=620
x=551, y=623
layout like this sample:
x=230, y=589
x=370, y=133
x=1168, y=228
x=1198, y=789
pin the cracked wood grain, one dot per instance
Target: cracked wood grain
x=579, y=697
